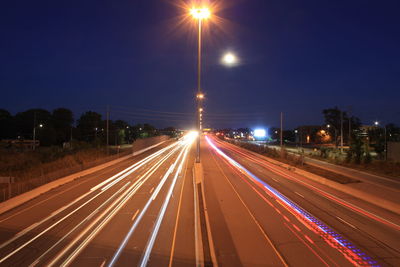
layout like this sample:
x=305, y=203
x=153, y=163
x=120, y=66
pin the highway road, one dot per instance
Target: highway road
x=149, y=211
x=271, y=215
x=139, y=211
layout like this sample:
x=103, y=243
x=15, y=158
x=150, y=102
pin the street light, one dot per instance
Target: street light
x=34, y=132
x=199, y=14
x=385, y=148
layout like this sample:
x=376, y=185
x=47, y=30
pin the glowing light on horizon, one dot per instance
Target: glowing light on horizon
x=261, y=133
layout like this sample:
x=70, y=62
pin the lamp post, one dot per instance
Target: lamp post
x=199, y=14
x=385, y=140
x=34, y=134
x=334, y=128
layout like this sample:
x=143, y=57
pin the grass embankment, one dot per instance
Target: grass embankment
x=379, y=167
x=25, y=165
x=295, y=161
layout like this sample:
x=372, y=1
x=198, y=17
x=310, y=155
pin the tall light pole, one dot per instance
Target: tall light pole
x=385, y=140
x=200, y=14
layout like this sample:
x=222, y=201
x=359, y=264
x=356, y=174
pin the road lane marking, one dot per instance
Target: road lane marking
x=78, y=225
x=272, y=167
x=199, y=252
x=150, y=243
x=269, y=241
x=134, y=215
x=151, y=190
x=342, y=245
x=297, y=193
x=109, y=216
x=171, y=256
x=101, y=192
x=349, y=224
x=26, y=230
x=135, y=224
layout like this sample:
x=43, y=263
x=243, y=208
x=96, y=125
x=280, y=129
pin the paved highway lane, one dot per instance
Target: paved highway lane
x=133, y=212
x=377, y=239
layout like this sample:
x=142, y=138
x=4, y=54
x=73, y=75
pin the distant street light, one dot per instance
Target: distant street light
x=34, y=131
x=199, y=14
x=385, y=142
x=329, y=126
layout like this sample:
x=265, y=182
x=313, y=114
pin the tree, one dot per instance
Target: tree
x=333, y=117
x=7, y=126
x=393, y=132
x=90, y=126
x=120, y=132
x=27, y=120
x=62, y=120
x=149, y=130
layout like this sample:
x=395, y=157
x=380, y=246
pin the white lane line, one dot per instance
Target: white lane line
x=134, y=215
x=297, y=193
x=349, y=224
x=151, y=190
x=274, y=179
x=197, y=228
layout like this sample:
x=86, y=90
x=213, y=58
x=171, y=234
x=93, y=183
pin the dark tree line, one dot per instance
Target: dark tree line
x=58, y=127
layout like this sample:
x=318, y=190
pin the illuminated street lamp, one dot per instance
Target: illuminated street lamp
x=385, y=144
x=34, y=132
x=199, y=14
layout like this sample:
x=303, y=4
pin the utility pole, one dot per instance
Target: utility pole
x=281, y=131
x=349, y=138
x=341, y=131
x=34, y=130
x=385, y=151
x=107, y=129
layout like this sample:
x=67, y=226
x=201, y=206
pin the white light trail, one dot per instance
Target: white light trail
x=188, y=142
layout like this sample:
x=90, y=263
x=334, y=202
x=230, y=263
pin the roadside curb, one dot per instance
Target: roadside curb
x=25, y=197
x=367, y=197
x=199, y=183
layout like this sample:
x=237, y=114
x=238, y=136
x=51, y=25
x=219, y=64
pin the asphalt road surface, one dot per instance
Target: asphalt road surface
x=271, y=216
x=149, y=211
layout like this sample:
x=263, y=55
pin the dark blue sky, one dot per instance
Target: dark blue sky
x=298, y=57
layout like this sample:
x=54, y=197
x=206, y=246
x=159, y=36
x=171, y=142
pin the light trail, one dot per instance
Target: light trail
x=30, y=228
x=342, y=202
x=353, y=254
x=127, y=237
x=150, y=244
x=108, y=213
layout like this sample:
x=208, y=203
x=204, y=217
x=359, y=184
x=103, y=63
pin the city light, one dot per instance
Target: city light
x=260, y=133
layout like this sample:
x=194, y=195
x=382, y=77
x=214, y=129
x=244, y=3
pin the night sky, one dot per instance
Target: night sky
x=139, y=57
